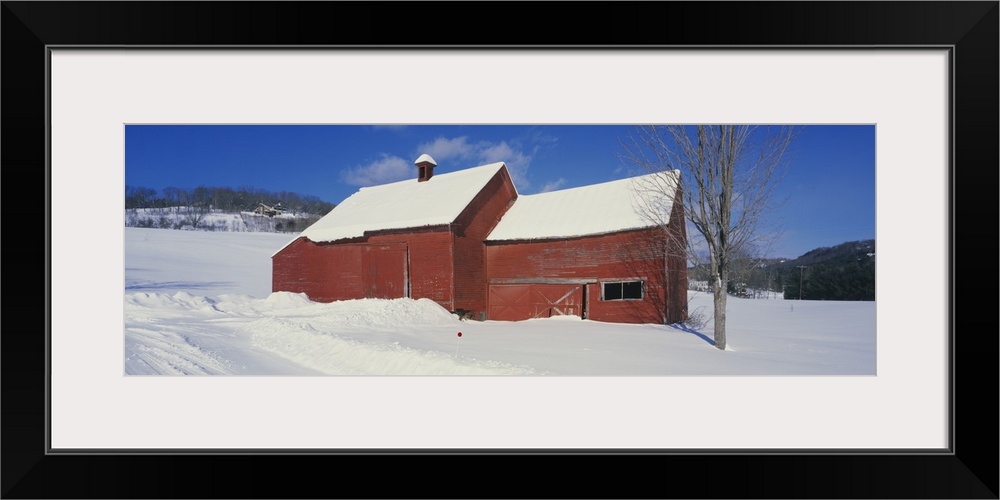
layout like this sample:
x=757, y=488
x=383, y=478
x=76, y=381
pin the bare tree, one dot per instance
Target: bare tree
x=172, y=196
x=139, y=197
x=196, y=213
x=195, y=210
x=728, y=178
x=745, y=270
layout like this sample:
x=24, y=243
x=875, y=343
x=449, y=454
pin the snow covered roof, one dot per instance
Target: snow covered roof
x=425, y=157
x=588, y=210
x=403, y=204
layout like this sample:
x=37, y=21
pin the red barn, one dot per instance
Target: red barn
x=468, y=241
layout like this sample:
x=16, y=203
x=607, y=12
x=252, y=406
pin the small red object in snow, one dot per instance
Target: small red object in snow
x=459, y=334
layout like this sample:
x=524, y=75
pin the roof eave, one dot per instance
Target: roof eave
x=572, y=237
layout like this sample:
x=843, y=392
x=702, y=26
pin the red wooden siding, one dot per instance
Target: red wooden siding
x=677, y=262
x=382, y=267
x=383, y=271
x=323, y=273
x=517, y=302
x=340, y=272
x=613, y=257
x=430, y=270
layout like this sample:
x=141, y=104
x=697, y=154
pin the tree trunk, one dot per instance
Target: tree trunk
x=719, y=300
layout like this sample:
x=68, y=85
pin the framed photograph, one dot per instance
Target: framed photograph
x=923, y=74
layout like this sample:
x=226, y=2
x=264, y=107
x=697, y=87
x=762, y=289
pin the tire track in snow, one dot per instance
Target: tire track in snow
x=160, y=352
x=339, y=354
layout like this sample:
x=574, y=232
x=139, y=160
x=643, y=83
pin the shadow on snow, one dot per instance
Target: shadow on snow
x=687, y=329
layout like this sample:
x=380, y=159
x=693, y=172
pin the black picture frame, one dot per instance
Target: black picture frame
x=969, y=470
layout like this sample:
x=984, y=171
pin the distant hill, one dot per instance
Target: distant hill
x=245, y=209
x=842, y=272
x=218, y=220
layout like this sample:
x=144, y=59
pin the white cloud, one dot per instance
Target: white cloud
x=552, y=186
x=386, y=169
x=444, y=149
x=517, y=161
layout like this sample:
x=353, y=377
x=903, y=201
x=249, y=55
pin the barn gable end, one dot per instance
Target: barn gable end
x=470, y=231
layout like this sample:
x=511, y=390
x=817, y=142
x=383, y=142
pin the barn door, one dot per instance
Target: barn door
x=534, y=300
x=384, y=271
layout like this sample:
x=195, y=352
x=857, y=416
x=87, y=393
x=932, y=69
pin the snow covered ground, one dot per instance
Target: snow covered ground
x=200, y=303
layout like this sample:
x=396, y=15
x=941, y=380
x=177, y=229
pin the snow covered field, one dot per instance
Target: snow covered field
x=200, y=303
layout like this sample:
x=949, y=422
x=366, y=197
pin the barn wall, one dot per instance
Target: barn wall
x=677, y=262
x=334, y=271
x=431, y=272
x=618, y=256
x=324, y=273
x=642, y=255
x=384, y=270
x=521, y=301
x=470, y=229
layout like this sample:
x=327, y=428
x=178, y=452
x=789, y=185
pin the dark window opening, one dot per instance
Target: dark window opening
x=621, y=290
x=632, y=290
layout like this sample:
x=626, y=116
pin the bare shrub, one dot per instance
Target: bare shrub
x=697, y=319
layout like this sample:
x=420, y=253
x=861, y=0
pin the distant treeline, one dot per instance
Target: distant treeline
x=842, y=272
x=223, y=198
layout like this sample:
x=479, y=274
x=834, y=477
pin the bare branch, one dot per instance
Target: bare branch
x=729, y=175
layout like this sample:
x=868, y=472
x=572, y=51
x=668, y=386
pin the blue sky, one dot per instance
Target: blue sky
x=830, y=183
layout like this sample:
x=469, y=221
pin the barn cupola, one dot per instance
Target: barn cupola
x=425, y=167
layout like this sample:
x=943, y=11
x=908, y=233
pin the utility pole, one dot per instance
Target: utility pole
x=800, y=280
